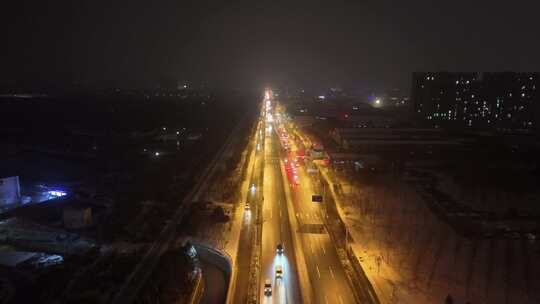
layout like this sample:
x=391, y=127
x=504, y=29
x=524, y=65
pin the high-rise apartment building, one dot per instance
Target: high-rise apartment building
x=502, y=100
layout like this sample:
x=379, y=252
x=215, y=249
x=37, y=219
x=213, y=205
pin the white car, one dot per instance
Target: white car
x=279, y=272
x=267, y=287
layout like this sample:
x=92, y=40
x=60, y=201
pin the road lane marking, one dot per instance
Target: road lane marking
x=331, y=272
x=324, y=251
x=279, y=212
x=340, y=299
x=326, y=299
x=318, y=272
x=311, y=246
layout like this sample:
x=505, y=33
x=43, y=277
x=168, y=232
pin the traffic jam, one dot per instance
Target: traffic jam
x=291, y=160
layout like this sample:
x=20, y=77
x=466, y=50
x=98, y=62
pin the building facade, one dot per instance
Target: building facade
x=502, y=100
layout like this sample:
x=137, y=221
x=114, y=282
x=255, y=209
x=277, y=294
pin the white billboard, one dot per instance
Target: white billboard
x=10, y=192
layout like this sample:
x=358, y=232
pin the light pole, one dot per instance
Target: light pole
x=346, y=238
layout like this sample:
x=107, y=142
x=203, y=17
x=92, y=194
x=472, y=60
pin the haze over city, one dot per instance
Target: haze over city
x=269, y=152
x=371, y=44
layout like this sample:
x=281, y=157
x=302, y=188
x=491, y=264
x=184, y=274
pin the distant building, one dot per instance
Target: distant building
x=377, y=139
x=511, y=99
x=502, y=100
x=397, y=98
x=443, y=96
x=303, y=120
x=10, y=191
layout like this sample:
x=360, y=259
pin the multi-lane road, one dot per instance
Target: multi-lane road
x=328, y=279
x=312, y=271
x=253, y=200
x=277, y=230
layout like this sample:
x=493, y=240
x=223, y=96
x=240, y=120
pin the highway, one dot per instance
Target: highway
x=312, y=271
x=276, y=230
x=327, y=277
x=245, y=245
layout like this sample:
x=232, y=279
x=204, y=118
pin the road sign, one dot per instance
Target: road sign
x=316, y=198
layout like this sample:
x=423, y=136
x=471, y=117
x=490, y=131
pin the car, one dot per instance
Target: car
x=247, y=207
x=279, y=248
x=279, y=272
x=267, y=287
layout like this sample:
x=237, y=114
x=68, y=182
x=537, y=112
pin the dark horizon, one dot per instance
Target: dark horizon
x=361, y=46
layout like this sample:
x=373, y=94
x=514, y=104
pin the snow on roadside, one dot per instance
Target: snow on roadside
x=410, y=256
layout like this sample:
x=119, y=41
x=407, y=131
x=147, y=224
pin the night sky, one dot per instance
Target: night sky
x=352, y=44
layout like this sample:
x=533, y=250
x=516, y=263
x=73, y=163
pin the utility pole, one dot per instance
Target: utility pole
x=346, y=237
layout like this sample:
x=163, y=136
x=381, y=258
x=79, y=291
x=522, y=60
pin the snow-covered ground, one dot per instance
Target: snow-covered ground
x=411, y=256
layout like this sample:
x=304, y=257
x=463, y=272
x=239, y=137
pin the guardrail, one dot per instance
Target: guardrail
x=355, y=262
x=256, y=238
x=255, y=266
x=198, y=290
x=337, y=232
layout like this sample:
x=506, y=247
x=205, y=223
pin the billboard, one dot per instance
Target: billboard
x=10, y=192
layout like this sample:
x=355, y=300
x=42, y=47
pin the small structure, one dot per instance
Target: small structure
x=77, y=216
x=10, y=190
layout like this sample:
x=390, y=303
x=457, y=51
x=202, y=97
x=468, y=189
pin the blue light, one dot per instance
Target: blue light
x=57, y=193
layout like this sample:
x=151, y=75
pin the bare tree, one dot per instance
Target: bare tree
x=438, y=254
x=526, y=263
x=509, y=263
x=471, y=265
x=489, y=269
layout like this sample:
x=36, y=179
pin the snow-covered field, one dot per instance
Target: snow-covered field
x=411, y=256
